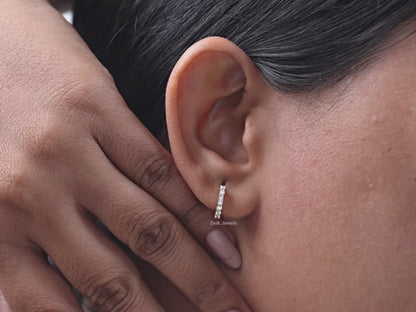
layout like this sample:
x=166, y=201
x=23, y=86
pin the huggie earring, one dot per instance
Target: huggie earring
x=221, y=195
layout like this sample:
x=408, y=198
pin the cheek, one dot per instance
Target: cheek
x=338, y=206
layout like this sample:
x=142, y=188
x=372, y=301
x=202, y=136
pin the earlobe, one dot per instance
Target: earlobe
x=211, y=99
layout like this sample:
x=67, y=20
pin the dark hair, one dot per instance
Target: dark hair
x=298, y=45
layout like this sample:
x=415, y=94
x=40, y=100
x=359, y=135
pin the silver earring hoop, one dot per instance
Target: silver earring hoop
x=221, y=195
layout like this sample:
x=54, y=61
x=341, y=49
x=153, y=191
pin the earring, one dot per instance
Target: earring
x=221, y=195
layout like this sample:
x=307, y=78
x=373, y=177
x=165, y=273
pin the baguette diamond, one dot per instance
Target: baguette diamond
x=221, y=195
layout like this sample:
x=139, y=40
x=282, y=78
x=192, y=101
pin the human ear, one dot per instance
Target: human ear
x=212, y=98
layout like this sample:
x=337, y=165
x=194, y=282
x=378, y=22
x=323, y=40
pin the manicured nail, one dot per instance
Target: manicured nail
x=233, y=311
x=222, y=246
x=4, y=307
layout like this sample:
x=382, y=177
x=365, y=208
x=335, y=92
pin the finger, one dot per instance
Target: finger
x=87, y=305
x=4, y=306
x=29, y=283
x=156, y=236
x=136, y=153
x=96, y=267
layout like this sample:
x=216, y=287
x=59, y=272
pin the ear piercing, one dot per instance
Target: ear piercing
x=221, y=195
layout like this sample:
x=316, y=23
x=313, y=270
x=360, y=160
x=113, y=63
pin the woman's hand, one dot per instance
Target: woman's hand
x=70, y=151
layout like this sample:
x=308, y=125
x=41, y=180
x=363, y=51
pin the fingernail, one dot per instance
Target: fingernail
x=4, y=307
x=233, y=311
x=222, y=246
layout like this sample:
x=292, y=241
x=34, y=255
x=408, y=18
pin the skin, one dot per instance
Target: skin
x=321, y=184
x=71, y=152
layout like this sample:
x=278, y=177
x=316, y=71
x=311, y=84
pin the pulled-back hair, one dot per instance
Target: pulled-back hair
x=298, y=45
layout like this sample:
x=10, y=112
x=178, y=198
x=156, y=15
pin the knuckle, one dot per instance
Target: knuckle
x=87, y=305
x=79, y=97
x=207, y=292
x=154, y=171
x=87, y=96
x=194, y=215
x=155, y=238
x=110, y=296
x=47, y=143
x=13, y=188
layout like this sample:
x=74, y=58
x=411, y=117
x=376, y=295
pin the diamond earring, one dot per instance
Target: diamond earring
x=221, y=195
